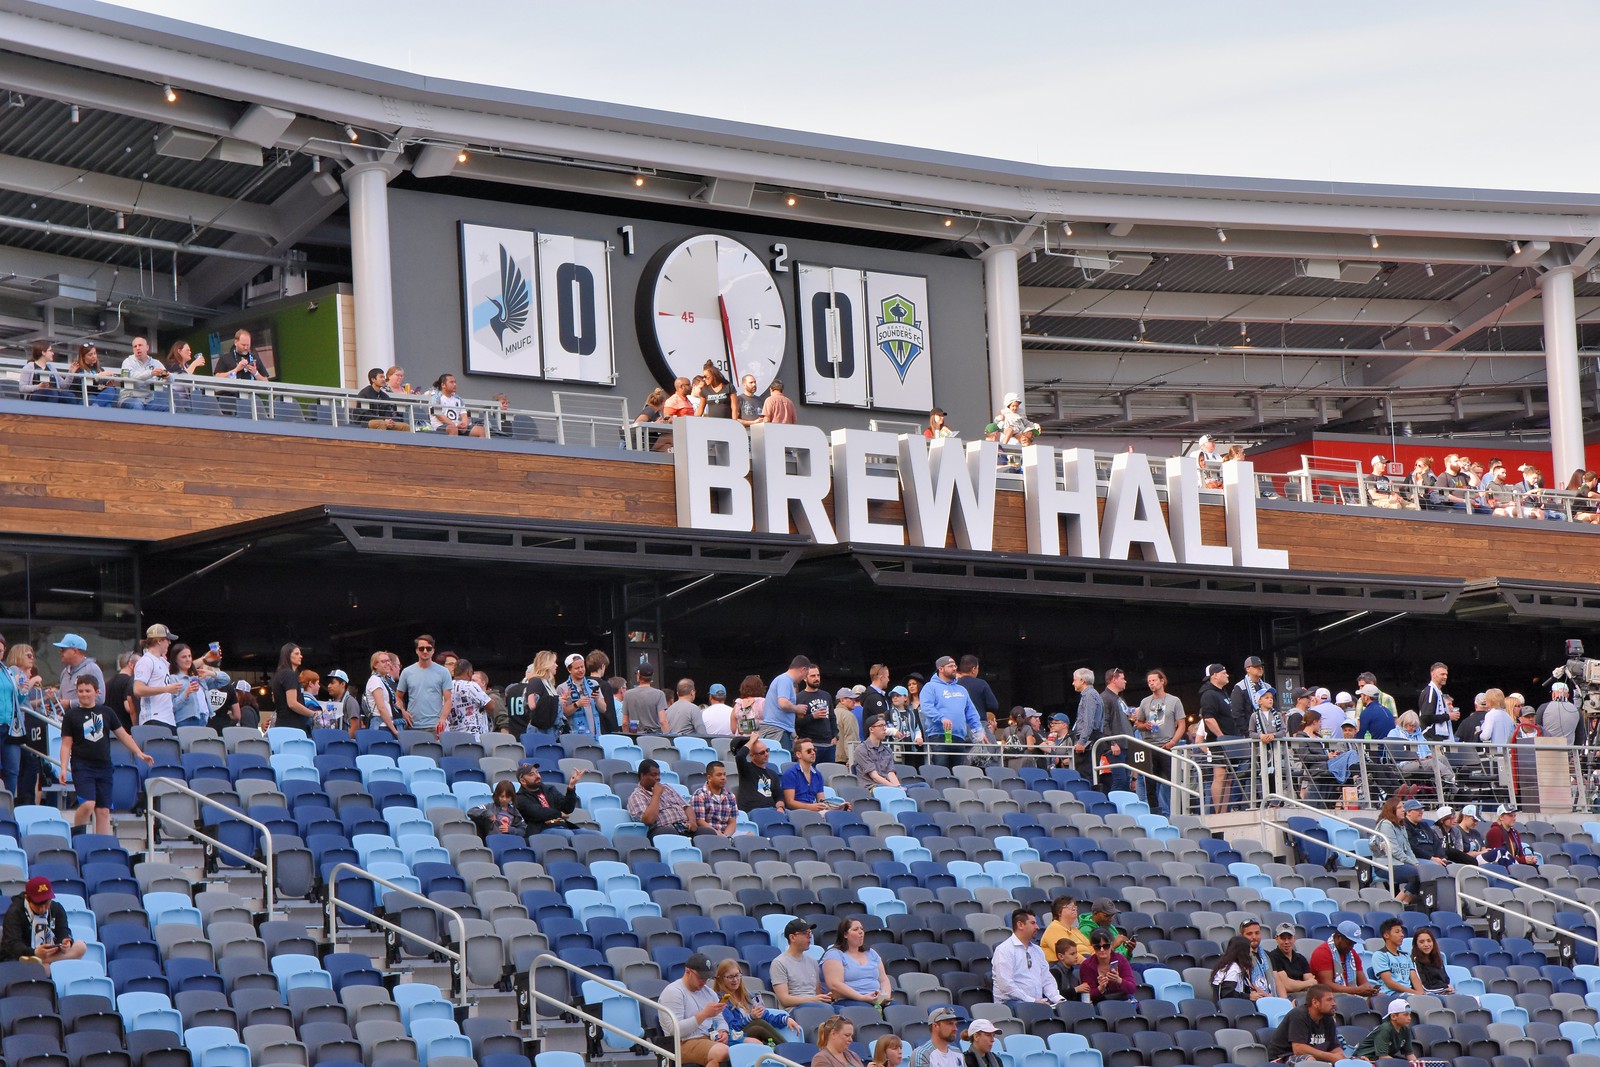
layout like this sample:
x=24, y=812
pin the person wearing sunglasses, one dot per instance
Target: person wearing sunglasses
x=424, y=689
x=1108, y=975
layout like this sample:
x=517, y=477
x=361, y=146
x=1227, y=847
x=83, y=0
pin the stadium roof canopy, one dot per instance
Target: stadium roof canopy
x=171, y=164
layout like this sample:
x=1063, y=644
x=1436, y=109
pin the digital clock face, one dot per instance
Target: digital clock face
x=711, y=298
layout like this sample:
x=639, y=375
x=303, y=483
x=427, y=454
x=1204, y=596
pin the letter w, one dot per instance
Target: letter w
x=933, y=477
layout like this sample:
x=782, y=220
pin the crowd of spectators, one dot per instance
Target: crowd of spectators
x=948, y=717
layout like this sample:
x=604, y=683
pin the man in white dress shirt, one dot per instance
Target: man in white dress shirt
x=1021, y=975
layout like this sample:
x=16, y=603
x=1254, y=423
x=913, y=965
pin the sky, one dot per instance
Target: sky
x=1472, y=93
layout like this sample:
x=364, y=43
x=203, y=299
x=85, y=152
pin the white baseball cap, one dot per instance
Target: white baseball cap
x=982, y=1026
x=1398, y=1005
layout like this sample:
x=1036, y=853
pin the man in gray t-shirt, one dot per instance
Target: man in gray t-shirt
x=796, y=978
x=683, y=715
x=644, y=703
x=424, y=688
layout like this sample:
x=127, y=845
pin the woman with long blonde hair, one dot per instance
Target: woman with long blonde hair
x=543, y=703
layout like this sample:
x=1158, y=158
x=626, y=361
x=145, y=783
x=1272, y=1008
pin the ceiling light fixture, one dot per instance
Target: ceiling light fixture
x=949, y=223
x=1066, y=228
x=791, y=200
x=1229, y=260
x=638, y=181
x=1373, y=238
x=350, y=132
x=1427, y=334
x=1222, y=235
x=122, y=221
x=74, y=114
x=316, y=164
x=1427, y=268
x=1244, y=329
x=170, y=93
x=1516, y=248
x=461, y=156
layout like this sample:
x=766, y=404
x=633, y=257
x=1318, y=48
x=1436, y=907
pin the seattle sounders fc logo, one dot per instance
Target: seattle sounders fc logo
x=898, y=334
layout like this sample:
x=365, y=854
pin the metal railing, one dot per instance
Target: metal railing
x=536, y=996
x=294, y=404
x=457, y=957
x=1522, y=890
x=1339, y=481
x=264, y=865
x=1380, y=857
x=1478, y=772
x=1197, y=792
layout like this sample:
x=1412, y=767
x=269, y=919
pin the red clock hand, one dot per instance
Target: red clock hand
x=727, y=339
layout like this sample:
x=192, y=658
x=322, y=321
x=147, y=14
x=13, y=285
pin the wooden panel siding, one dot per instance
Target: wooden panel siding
x=89, y=478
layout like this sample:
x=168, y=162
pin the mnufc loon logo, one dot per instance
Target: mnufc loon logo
x=898, y=334
x=511, y=307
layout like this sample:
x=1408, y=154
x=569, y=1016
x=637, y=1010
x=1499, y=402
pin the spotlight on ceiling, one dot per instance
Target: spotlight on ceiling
x=350, y=132
x=170, y=93
x=1222, y=235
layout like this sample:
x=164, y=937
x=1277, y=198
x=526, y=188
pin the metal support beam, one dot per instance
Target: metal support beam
x=368, y=187
x=1562, y=374
x=1005, y=323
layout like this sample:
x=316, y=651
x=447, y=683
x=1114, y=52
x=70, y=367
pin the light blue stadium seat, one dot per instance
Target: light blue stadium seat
x=423, y=850
x=593, y=797
x=1249, y=876
x=376, y=767
x=149, y=1011
x=1168, y=985
x=1502, y=1009
x=419, y=1000
x=908, y=850
x=616, y=821
x=279, y=736
x=881, y=902
x=589, y=904
x=1007, y=875
x=620, y=746
x=970, y=875
x=1575, y=1031
x=416, y=769
x=1020, y=1045
x=618, y=1010
x=436, y=1038
x=883, y=794
x=1274, y=1008
x=634, y=904
x=471, y=795
x=1127, y=803
x=572, y=1059
x=433, y=795
x=171, y=908
x=295, y=971
x=13, y=856
x=398, y=815
x=216, y=1046
x=1157, y=827
x=610, y=874
x=1589, y=974
x=83, y=977
x=38, y=819
x=398, y=873
x=1015, y=850
x=675, y=848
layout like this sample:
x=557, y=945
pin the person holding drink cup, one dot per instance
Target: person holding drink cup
x=190, y=705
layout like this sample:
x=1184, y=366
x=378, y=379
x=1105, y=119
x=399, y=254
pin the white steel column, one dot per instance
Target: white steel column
x=1561, y=373
x=367, y=185
x=1005, y=323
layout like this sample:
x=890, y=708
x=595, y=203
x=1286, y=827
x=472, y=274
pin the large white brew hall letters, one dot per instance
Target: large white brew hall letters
x=737, y=480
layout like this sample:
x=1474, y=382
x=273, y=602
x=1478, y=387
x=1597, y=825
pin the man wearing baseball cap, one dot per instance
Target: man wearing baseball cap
x=692, y=1005
x=543, y=806
x=942, y=1048
x=949, y=718
x=1103, y=916
x=35, y=927
x=796, y=977
x=150, y=685
x=77, y=663
x=1391, y=1038
x=1337, y=965
x=1292, y=970
x=1216, y=715
x=1374, y=720
x=341, y=697
x=717, y=715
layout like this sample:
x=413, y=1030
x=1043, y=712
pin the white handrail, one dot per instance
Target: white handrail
x=1375, y=834
x=333, y=903
x=264, y=865
x=535, y=997
x=1138, y=742
x=1464, y=871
